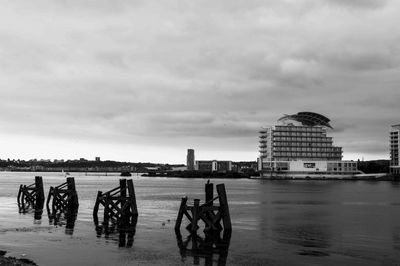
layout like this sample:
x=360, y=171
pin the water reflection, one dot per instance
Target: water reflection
x=36, y=208
x=309, y=232
x=396, y=238
x=124, y=227
x=37, y=217
x=61, y=217
x=209, y=247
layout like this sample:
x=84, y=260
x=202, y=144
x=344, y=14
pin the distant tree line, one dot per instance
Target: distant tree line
x=375, y=166
x=75, y=164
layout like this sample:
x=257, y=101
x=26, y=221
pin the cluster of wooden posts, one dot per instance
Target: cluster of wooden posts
x=62, y=202
x=216, y=221
x=31, y=196
x=120, y=212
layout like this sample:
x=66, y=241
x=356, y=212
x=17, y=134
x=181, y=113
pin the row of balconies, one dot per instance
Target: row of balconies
x=307, y=154
x=302, y=139
x=299, y=129
x=286, y=158
x=298, y=134
x=303, y=145
x=288, y=149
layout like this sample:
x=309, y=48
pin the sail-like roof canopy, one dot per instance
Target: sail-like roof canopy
x=308, y=119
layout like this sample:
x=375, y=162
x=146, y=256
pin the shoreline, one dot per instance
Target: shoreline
x=12, y=261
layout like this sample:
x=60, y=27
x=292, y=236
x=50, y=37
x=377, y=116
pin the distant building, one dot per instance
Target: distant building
x=178, y=168
x=224, y=166
x=394, y=149
x=213, y=166
x=206, y=166
x=97, y=159
x=190, y=162
x=302, y=150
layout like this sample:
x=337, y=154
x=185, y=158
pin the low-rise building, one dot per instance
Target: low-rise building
x=213, y=166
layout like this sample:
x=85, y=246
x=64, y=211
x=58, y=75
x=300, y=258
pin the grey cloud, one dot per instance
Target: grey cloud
x=176, y=73
x=370, y=4
x=365, y=60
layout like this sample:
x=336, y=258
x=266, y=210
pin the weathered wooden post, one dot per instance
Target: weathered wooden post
x=182, y=210
x=106, y=214
x=39, y=191
x=195, y=214
x=96, y=207
x=224, y=208
x=132, y=198
x=209, y=189
x=73, y=201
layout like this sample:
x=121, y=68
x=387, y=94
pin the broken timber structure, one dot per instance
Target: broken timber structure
x=119, y=207
x=31, y=196
x=63, y=197
x=64, y=205
x=207, y=212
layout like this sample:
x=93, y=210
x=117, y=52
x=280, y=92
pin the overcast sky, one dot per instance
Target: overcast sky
x=146, y=80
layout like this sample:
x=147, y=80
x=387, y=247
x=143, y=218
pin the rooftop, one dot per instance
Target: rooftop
x=308, y=119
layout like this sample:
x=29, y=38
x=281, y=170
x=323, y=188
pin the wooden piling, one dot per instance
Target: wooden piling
x=223, y=202
x=195, y=215
x=209, y=189
x=132, y=198
x=96, y=208
x=181, y=211
x=73, y=201
x=39, y=191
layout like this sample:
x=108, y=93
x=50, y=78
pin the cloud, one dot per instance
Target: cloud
x=370, y=4
x=201, y=74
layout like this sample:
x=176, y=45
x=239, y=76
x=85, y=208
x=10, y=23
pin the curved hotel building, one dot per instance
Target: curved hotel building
x=303, y=150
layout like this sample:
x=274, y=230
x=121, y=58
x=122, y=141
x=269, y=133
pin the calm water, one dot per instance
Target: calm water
x=274, y=223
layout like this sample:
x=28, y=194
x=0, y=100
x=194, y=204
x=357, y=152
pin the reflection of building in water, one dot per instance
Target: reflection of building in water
x=302, y=150
x=212, y=248
x=394, y=149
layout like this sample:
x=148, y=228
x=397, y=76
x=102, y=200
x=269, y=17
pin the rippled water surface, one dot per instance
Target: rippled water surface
x=274, y=223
